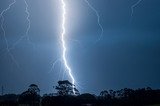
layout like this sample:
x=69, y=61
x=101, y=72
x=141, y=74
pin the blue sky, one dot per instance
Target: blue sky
x=128, y=54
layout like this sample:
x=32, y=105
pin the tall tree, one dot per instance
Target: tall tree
x=66, y=88
x=33, y=88
x=31, y=96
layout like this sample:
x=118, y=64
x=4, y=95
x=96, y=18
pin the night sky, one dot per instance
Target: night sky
x=128, y=54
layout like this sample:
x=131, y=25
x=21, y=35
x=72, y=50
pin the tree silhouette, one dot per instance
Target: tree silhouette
x=66, y=88
x=31, y=96
x=104, y=93
x=33, y=88
x=66, y=97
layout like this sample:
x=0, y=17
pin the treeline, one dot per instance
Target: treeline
x=68, y=95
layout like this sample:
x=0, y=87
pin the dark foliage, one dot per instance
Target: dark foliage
x=65, y=88
x=31, y=96
x=123, y=97
x=139, y=97
x=9, y=100
x=65, y=97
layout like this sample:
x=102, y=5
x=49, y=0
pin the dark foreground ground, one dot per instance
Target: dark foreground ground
x=141, y=97
x=65, y=97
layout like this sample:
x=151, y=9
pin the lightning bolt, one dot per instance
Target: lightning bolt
x=26, y=35
x=54, y=64
x=22, y=37
x=4, y=32
x=64, y=44
x=98, y=20
x=29, y=23
x=132, y=8
x=28, y=15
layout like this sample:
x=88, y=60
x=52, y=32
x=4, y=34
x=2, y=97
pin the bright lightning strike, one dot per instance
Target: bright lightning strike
x=64, y=44
x=132, y=8
x=4, y=32
x=98, y=20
